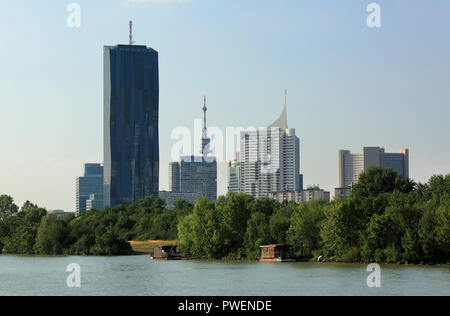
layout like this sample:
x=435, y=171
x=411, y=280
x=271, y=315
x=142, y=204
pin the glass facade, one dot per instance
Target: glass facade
x=91, y=183
x=195, y=174
x=95, y=202
x=131, y=111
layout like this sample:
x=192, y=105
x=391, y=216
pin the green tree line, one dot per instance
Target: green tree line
x=386, y=219
x=31, y=230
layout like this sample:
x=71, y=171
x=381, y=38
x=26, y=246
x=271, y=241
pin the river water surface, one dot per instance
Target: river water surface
x=138, y=275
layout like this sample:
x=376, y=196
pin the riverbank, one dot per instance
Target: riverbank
x=143, y=249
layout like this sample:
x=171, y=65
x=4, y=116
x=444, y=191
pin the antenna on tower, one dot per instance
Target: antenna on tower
x=131, y=33
x=205, y=129
x=285, y=97
x=205, y=140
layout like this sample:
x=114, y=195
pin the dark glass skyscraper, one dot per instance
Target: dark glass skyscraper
x=91, y=183
x=131, y=110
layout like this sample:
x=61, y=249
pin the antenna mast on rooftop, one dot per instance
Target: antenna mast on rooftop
x=131, y=33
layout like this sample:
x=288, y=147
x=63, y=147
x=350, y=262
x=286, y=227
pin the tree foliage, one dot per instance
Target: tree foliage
x=7, y=207
x=385, y=219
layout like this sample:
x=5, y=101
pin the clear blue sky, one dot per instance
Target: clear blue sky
x=349, y=86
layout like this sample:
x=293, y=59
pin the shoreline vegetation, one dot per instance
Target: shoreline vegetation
x=386, y=219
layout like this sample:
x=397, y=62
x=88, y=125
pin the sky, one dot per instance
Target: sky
x=348, y=85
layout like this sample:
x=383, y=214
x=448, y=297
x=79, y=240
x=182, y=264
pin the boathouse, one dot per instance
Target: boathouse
x=275, y=253
x=165, y=253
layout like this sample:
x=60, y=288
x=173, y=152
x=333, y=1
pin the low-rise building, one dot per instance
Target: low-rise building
x=342, y=192
x=171, y=197
x=61, y=213
x=304, y=196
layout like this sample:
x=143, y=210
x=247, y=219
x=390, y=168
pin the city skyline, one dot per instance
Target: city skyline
x=342, y=95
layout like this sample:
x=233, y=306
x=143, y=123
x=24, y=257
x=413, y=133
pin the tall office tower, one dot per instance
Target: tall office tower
x=352, y=165
x=196, y=174
x=270, y=159
x=234, y=176
x=131, y=109
x=90, y=183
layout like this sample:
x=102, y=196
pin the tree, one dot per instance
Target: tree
x=434, y=230
x=280, y=222
x=304, y=231
x=340, y=230
x=200, y=231
x=264, y=205
x=27, y=206
x=378, y=180
x=374, y=187
x=185, y=233
x=257, y=234
x=108, y=244
x=7, y=207
x=443, y=229
x=52, y=236
x=18, y=232
x=233, y=211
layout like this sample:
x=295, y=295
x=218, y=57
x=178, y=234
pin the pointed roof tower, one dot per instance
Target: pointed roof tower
x=282, y=120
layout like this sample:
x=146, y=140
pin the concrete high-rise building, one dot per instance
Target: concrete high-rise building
x=90, y=183
x=131, y=109
x=270, y=159
x=196, y=174
x=352, y=165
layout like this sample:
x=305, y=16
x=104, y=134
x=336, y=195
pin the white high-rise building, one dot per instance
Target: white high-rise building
x=270, y=159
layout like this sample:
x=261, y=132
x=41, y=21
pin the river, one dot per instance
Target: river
x=138, y=275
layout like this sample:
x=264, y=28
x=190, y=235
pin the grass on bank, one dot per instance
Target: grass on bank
x=146, y=247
